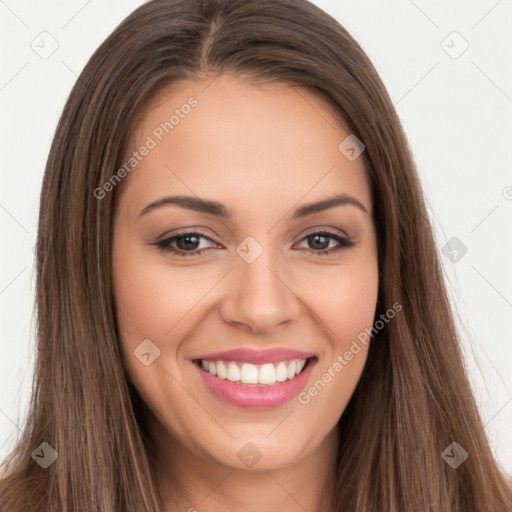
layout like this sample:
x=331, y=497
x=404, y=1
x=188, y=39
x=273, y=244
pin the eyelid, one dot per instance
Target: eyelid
x=325, y=229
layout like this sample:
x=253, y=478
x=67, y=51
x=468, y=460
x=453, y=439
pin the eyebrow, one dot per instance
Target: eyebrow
x=219, y=210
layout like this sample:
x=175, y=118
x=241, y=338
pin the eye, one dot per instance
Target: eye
x=322, y=240
x=189, y=243
x=186, y=243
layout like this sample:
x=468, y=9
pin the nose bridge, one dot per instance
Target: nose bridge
x=259, y=295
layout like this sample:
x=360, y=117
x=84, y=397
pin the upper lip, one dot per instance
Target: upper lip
x=248, y=355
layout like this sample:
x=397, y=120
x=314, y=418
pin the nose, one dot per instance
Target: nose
x=260, y=297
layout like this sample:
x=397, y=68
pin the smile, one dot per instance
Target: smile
x=255, y=379
x=247, y=373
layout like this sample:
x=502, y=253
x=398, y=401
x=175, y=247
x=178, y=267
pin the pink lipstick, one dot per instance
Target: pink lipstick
x=261, y=379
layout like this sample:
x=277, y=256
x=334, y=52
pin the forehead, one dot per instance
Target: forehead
x=242, y=143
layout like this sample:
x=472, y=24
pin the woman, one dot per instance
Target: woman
x=240, y=302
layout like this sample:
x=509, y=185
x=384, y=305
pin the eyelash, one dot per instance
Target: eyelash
x=165, y=245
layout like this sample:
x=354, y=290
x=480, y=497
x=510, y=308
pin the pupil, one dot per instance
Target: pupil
x=186, y=245
x=315, y=238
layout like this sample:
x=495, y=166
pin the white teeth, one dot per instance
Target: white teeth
x=291, y=370
x=248, y=373
x=222, y=371
x=267, y=374
x=233, y=372
x=281, y=372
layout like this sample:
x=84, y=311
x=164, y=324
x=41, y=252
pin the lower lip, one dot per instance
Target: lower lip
x=257, y=397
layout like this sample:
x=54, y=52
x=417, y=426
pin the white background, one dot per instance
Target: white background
x=457, y=113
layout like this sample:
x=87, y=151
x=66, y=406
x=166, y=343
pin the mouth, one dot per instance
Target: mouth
x=255, y=386
x=249, y=374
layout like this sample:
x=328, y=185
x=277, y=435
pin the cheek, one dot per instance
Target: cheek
x=157, y=302
x=152, y=298
x=351, y=308
x=343, y=298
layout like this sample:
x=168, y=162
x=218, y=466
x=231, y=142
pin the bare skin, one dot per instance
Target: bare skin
x=263, y=152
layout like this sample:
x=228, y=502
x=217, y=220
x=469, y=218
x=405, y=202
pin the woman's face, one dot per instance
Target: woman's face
x=276, y=280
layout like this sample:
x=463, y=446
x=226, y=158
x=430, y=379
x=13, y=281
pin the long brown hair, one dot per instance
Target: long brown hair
x=413, y=399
